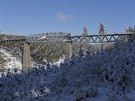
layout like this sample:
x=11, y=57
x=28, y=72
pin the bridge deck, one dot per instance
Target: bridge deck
x=12, y=40
x=100, y=38
x=78, y=38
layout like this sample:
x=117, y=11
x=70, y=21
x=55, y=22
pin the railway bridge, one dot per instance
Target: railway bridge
x=25, y=42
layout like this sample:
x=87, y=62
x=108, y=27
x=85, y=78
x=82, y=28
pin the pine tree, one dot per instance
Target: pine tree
x=101, y=32
x=101, y=29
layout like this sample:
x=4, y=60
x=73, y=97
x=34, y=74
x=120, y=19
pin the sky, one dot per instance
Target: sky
x=25, y=17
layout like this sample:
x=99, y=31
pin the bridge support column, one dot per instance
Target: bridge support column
x=69, y=52
x=26, y=61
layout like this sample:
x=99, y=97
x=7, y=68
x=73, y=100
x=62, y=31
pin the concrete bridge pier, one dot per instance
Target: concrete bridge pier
x=26, y=58
x=69, y=52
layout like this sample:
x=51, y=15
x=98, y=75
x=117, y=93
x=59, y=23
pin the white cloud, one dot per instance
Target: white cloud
x=63, y=17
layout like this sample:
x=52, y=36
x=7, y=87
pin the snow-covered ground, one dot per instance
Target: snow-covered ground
x=61, y=60
x=57, y=63
x=11, y=61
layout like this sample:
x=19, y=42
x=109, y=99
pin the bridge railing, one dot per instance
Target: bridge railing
x=101, y=38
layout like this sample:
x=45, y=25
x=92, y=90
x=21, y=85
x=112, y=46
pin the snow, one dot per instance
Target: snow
x=11, y=62
x=43, y=37
x=57, y=63
x=61, y=60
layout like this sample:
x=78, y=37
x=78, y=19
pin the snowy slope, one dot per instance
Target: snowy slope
x=11, y=62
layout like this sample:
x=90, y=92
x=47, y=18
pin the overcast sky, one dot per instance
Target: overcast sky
x=37, y=16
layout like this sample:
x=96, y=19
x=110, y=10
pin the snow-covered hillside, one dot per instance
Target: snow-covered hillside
x=108, y=75
x=11, y=62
